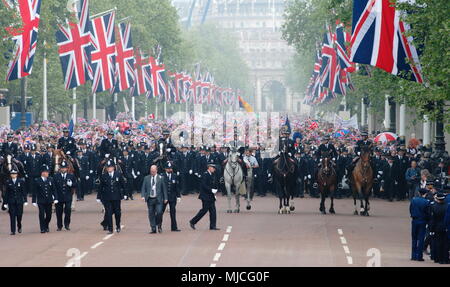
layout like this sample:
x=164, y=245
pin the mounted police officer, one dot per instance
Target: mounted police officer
x=65, y=183
x=109, y=146
x=14, y=198
x=286, y=142
x=362, y=145
x=326, y=148
x=167, y=142
x=67, y=143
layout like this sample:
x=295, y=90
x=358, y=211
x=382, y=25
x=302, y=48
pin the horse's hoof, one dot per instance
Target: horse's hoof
x=280, y=211
x=367, y=214
x=292, y=208
x=229, y=211
x=236, y=211
x=361, y=213
x=323, y=211
x=332, y=211
x=249, y=207
x=355, y=212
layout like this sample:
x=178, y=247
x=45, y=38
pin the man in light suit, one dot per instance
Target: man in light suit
x=154, y=193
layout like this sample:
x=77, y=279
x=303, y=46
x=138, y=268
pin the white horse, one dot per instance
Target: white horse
x=234, y=177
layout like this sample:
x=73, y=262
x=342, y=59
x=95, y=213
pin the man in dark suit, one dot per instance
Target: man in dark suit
x=401, y=165
x=111, y=193
x=14, y=199
x=208, y=190
x=154, y=193
x=44, y=195
x=65, y=183
x=173, y=193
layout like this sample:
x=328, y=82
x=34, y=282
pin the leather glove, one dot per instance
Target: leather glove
x=91, y=171
x=269, y=175
x=6, y=206
x=87, y=177
x=55, y=201
x=138, y=173
x=214, y=191
x=178, y=173
x=69, y=183
x=98, y=200
x=196, y=174
x=35, y=204
x=190, y=171
x=25, y=203
x=309, y=176
x=125, y=197
x=107, y=155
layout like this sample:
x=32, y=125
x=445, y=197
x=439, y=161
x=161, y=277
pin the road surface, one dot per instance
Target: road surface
x=259, y=237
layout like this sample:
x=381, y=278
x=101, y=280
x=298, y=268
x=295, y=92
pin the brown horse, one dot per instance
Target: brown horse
x=58, y=157
x=362, y=182
x=327, y=181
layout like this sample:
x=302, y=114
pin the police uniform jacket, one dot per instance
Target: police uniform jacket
x=15, y=192
x=44, y=192
x=63, y=191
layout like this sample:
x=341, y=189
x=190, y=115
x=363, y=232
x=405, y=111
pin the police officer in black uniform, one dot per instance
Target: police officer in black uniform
x=208, y=190
x=65, y=183
x=173, y=192
x=184, y=166
x=127, y=164
x=111, y=193
x=14, y=198
x=109, y=146
x=67, y=143
x=419, y=209
x=32, y=162
x=326, y=148
x=10, y=147
x=44, y=195
x=438, y=230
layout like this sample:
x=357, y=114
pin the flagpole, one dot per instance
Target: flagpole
x=165, y=110
x=94, y=106
x=156, y=108
x=74, y=106
x=103, y=13
x=44, y=100
x=133, y=106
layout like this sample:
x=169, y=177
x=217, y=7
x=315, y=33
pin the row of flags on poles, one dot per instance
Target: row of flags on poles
x=100, y=49
x=379, y=38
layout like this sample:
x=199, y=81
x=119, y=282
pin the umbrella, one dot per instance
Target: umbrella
x=386, y=137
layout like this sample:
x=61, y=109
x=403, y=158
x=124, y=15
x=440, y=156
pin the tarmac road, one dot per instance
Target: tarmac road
x=260, y=237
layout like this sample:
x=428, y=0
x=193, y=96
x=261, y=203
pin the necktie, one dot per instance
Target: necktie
x=153, y=192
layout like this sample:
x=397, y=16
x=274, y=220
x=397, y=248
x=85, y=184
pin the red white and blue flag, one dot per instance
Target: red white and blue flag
x=124, y=72
x=142, y=74
x=74, y=48
x=378, y=39
x=104, y=52
x=158, y=79
x=25, y=39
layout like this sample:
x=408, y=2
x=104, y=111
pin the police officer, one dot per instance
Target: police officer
x=420, y=214
x=44, y=195
x=111, y=193
x=33, y=164
x=65, y=183
x=10, y=147
x=67, y=143
x=47, y=158
x=84, y=165
x=127, y=165
x=184, y=165
x=109, y=146
x=208, y=190
x=14, y=198
x=438, y=231
x=167, y=142
x=326, y=148
x=173, y=193
x=401, y=164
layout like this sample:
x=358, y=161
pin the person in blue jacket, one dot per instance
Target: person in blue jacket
x=420, y=214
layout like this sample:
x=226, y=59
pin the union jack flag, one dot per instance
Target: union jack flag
x=142, y=75
x=171, y=90
x=124, y=73
x=378, y=39
x=158, y=79
x=330, y=69
x=104, y=53
x=25, y=39
x=187, y=83
x=74, y=48
x=342, y=37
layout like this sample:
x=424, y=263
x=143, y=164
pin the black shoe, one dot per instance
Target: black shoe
x=131, y=198
x=175, y=230
x=67, y=228
x=19, y=230
x=58, y=229
x=214, y=228
x=47, y=230
x=109, y=232
x=153, y=231
x=420, y=259
x=159, y=229
x=118, y=229
x=192, y=225
x=42, y=231
x=105, y=228
x=12, y=233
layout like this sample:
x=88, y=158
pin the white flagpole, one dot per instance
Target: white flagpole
x=165, y=110
x=94, y=106
x=74, y=106
x=44, y=100
x=133, y=107
x=156, y=108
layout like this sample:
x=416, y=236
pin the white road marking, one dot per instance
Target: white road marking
x=349, y=260
x=225, y=237
x=96, y=245
x=221, y=246
x=217, y=256
x=346, y=250
x=78, y=258
x=108, y=236
x=343, y=240
x=340, y=232
x=229, y=229
x=212, y=265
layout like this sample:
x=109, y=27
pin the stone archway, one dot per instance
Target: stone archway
x=272, y=95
